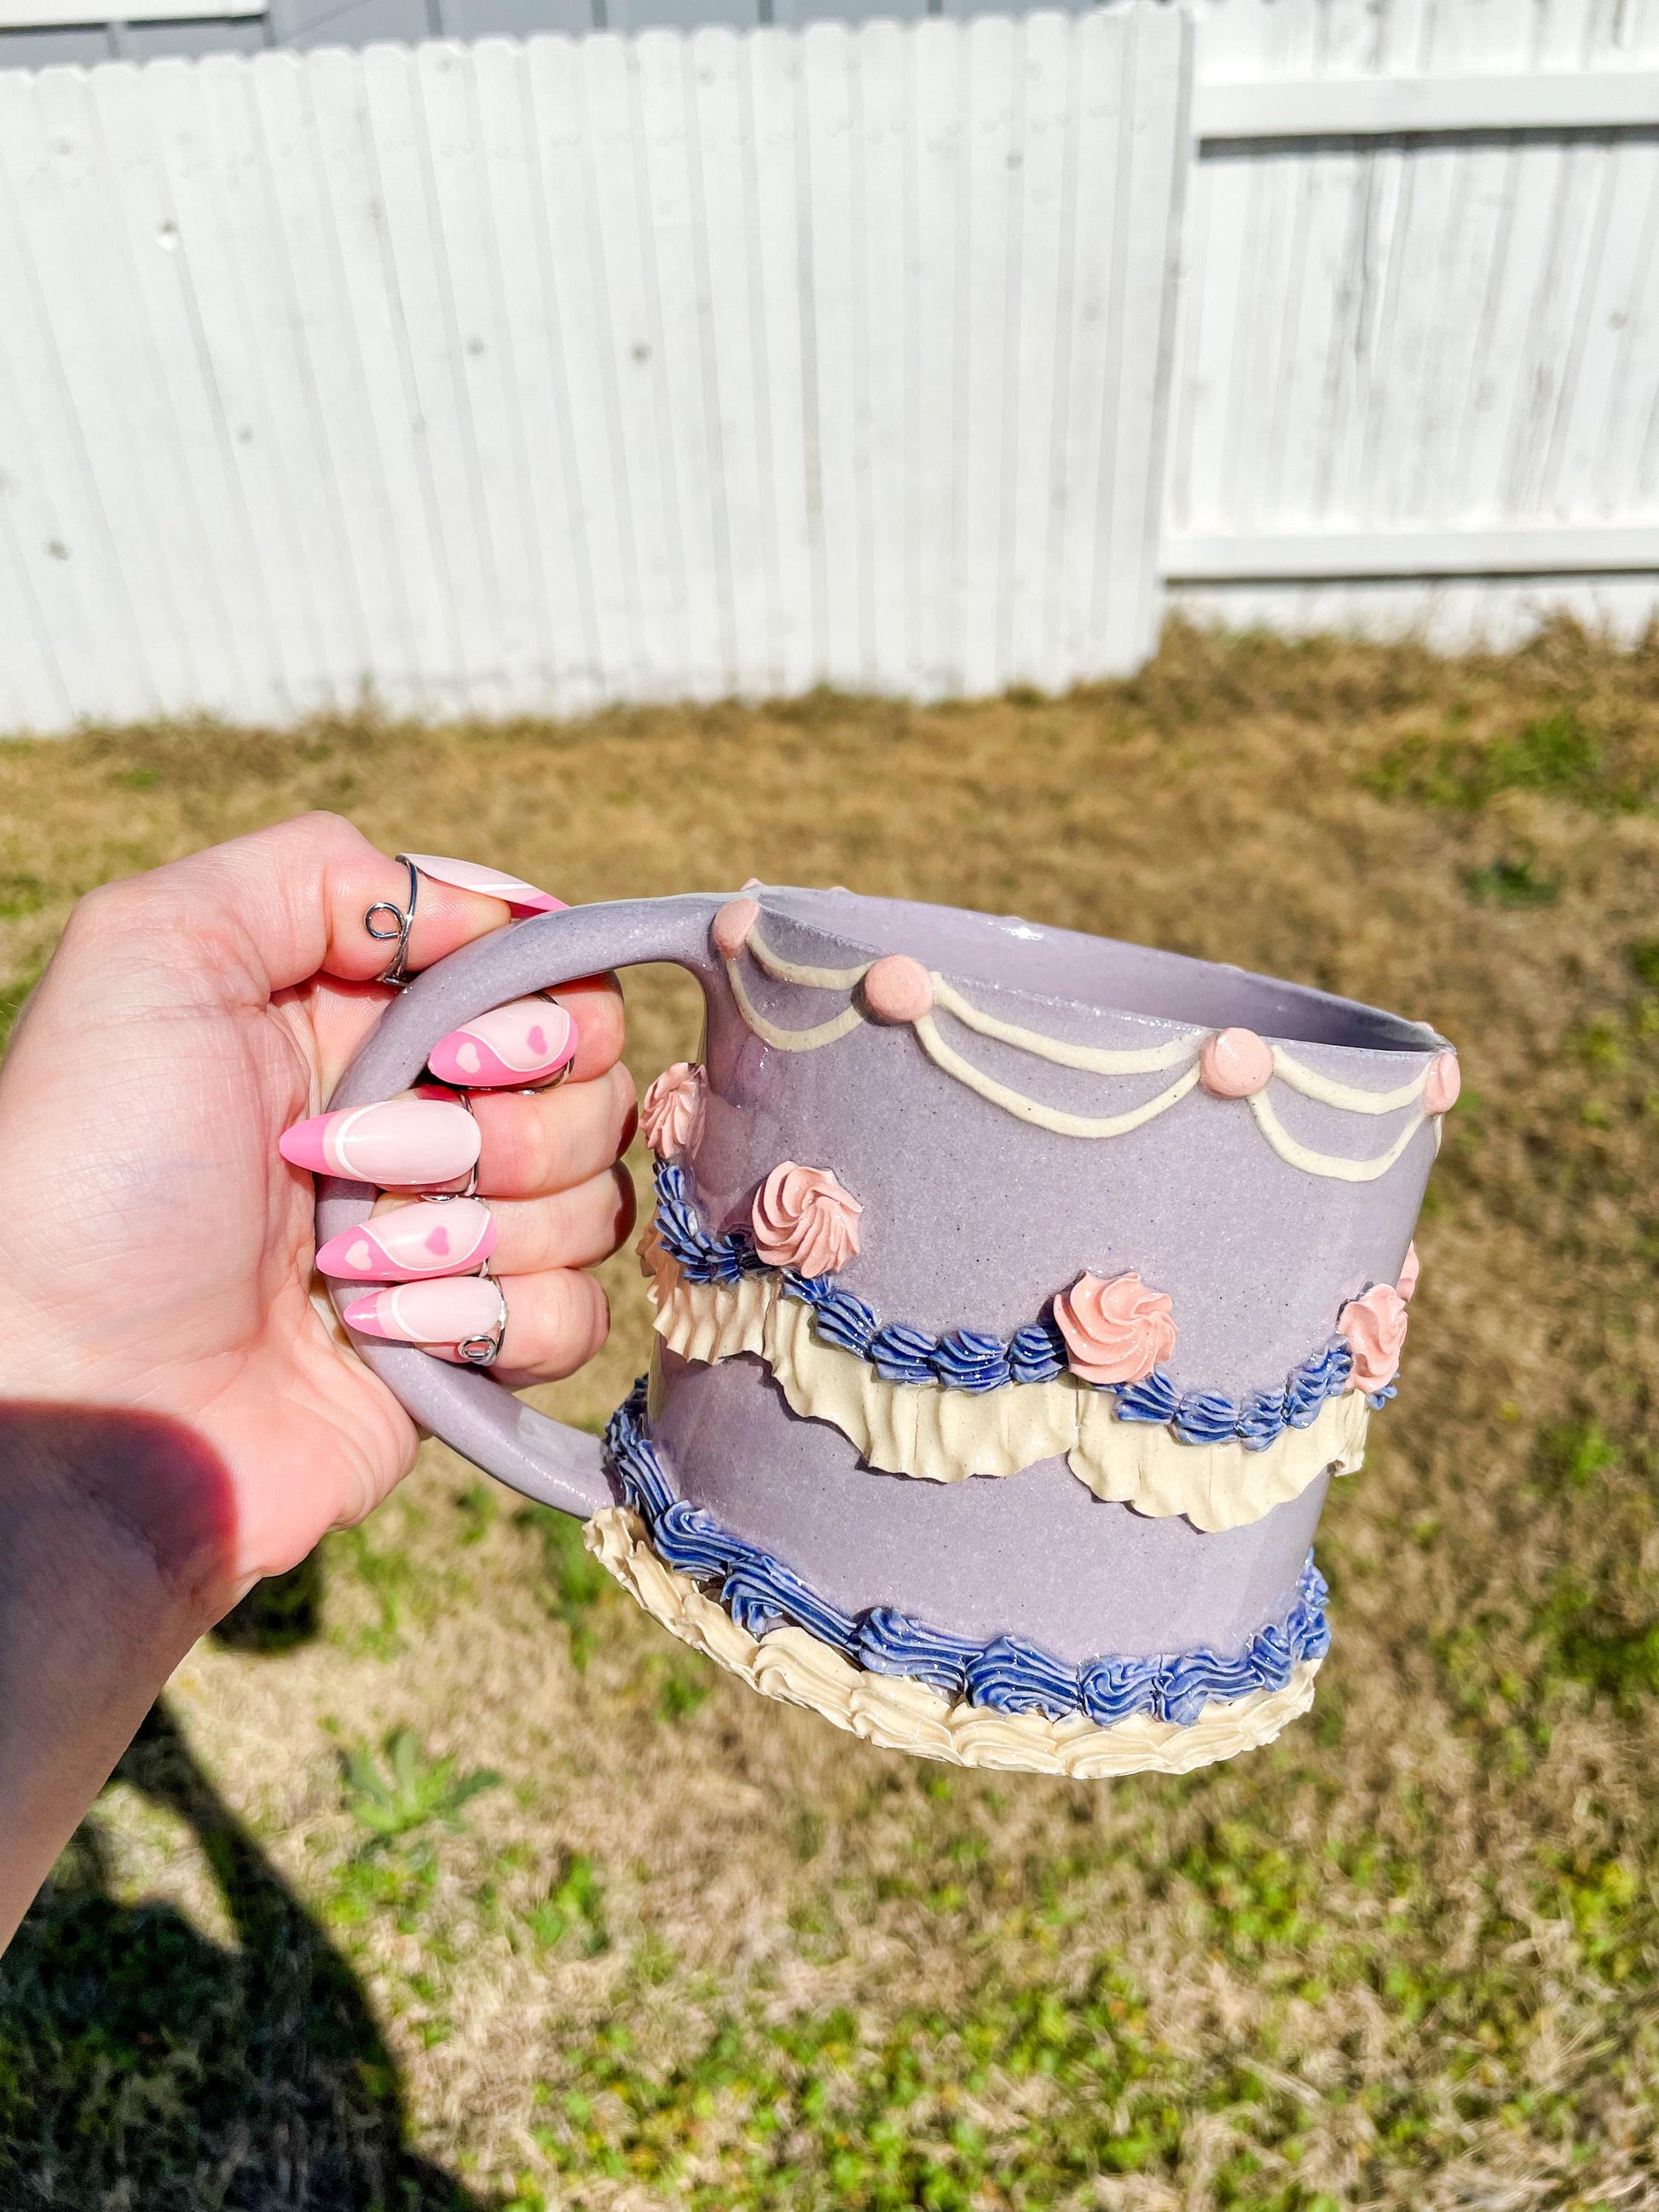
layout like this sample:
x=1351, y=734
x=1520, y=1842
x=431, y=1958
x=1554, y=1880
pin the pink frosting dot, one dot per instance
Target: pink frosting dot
x=1235, y=1064
x=732, y=925
x=1445, y=1082
x=898, y=989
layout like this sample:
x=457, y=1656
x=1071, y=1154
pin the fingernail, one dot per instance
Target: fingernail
x=428, y=1313
x=399, y=1141
x=525, y=1041
x=415, y=1241
x=469, y=876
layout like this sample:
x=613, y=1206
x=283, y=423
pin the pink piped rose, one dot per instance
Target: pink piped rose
x=804, y=1219
x=672, y=1112
x=1409, y=1273
x=1116, y=1331
x=1375, y=1328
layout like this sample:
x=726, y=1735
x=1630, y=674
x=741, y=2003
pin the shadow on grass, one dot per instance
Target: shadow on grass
x=142, y=2064
x=278, y=1614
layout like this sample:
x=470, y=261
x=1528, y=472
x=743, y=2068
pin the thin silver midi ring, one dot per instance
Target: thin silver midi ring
x=402, y=920
x=485, y=1350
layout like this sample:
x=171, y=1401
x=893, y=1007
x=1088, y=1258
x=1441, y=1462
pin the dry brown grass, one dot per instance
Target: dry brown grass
x=1408, y=1957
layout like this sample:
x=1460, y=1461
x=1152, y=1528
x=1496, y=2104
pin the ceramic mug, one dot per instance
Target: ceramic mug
x=1018, y=1295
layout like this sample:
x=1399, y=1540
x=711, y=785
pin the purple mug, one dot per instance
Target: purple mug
x=1018, y=1293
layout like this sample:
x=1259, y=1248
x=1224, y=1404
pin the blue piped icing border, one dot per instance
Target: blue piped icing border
x=1009, y=1675
x=965, y=1359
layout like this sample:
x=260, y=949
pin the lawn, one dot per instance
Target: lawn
x=442, y=1877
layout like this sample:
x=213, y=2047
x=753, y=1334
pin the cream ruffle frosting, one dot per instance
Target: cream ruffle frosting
x=902, y=1715
x=940, y=1435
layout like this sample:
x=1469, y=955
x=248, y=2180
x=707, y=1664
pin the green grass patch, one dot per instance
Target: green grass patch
x=1258, y=1898
x=1590, y=1644
x=20, y=895
x=1607, y=1901
x=814, y=2111
x=571, y=1582
x=1512, y=880
x=573, y=1911
x=1573, y=1454
x=409, y=1790
x=390, y=1576
x=1557, y=756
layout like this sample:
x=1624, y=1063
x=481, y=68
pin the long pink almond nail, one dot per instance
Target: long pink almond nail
x=428, y=1313
x=525, y=1041
x=437, y=1238
x=493, y=883
x=399, y=1141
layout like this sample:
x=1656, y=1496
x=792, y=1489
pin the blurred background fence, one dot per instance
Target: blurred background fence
x=1420, y=343
x=528, y=376
x=921, y=358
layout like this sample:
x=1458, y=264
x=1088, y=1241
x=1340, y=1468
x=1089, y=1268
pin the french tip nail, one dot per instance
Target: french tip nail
x=303, y=1144
x=404, y=1142
x=445, y=1311
x=489, y=883
x=364, y=1315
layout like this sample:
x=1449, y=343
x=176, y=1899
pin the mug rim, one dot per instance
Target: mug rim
x=1367, y=1027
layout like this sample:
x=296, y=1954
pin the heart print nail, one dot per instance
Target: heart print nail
x=523, y=1042
x=438, y=1237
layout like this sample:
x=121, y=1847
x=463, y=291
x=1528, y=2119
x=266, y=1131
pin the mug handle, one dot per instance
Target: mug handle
x=544, y=1459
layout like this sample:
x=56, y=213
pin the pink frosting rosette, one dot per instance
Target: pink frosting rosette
x=804, y=1218
x=1375, y=1328
x=671, y=1112
x=1116, y=1331
x=1409, y=1273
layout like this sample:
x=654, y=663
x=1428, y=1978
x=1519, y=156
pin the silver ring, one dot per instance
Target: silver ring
x=402, y=920
x=485, y=1350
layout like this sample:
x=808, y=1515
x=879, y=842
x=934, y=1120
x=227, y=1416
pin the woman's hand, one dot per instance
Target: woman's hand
x=179, y=1417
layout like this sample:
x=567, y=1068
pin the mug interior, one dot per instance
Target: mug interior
x=1003, y=952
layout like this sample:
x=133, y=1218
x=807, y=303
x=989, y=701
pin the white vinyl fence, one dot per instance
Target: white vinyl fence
x=512, y=377
x=921, y=358
x=1418, y=377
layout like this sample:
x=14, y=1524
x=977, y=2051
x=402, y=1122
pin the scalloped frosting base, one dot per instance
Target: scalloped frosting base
x=901, y=1715
x=922, y=1428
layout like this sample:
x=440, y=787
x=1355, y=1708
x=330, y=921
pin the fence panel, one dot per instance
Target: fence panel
x=1417, y=369
x=481, y=378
